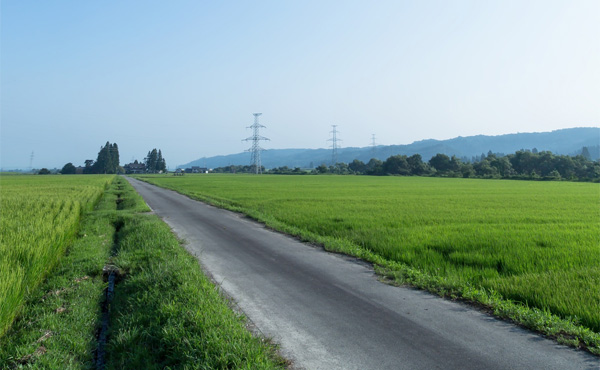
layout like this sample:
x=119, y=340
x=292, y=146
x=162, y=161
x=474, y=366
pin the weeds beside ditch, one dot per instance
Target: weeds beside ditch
x=165, y=312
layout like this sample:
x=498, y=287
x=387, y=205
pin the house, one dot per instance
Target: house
x=135, y=167
x=196, y=169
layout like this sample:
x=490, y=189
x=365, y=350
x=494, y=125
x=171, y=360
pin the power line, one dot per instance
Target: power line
x=334, y=144
x=255, y=139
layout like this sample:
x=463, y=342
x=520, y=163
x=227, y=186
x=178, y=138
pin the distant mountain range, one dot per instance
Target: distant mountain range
x=566, y=141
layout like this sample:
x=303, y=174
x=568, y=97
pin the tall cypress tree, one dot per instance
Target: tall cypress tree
x=159, y=160
x=108, y=159
x=151, y=161
x=161, y=164
x=114, y=153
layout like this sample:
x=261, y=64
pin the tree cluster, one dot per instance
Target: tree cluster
x=106, y=162
x=108, y=159
x=285, y=170
x=523, y=164
x=155, y=163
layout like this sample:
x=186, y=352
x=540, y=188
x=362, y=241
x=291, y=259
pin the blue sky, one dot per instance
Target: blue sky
x=186, y=76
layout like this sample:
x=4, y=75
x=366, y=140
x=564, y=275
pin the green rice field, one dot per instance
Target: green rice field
x=39, y=215
x=531, y=242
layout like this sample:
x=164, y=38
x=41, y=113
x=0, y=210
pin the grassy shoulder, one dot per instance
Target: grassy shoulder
x=165, y=312
x=263, y=206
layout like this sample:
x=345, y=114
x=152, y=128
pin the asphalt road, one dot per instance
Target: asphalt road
x=329, y=312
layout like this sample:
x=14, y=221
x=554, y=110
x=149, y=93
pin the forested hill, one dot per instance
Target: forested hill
x=567, y=141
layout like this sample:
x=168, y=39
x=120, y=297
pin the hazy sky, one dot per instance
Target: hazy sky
x=186, y=76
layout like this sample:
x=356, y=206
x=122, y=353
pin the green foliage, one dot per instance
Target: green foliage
x=494, y=235
x=68, y=169
x=44, y=171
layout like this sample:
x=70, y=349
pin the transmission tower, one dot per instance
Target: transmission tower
x=373, y=145
x=255, y=139
x=334, y=144
x=31, y=162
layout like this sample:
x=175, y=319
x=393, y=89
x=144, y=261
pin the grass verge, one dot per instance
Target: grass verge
x=165, y=312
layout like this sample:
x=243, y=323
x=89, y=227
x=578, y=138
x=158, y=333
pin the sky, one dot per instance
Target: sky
x=186, y=76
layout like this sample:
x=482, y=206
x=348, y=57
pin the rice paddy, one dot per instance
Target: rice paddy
x=534, y=243
x=38, y=217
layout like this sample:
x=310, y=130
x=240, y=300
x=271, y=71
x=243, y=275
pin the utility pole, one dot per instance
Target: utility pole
x=334, y=144
x=255, y=139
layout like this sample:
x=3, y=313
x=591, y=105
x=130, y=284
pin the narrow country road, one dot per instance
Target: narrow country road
x=329, y=312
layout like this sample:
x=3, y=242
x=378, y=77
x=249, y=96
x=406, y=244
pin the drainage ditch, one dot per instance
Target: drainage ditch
x=112, y=275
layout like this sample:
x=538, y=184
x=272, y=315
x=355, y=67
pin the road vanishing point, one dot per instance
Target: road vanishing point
x=328, y=311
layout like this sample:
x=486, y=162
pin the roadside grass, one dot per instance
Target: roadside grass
x=527, y=251
x=165, y=312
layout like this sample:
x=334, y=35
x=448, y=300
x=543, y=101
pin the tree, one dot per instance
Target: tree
x=357, y=166
x=155, y=162
x=322, y=169
x=485, y=169
x=523, y=162
x=396, y=165
x=503, y=166
x=585, y=152
x=374, y=167
x=44, y=171
x=161, y=165
x=441, y=163
x=151, y=161
x=68, y=169
x=108, y=159
x=114, y=156
x=417, y=167
x=89, y=166
x=340, y=169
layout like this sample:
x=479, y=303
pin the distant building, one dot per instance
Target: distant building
x=135, y=167
x=196, y=169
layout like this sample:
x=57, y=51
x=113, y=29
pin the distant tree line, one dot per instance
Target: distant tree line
x=524, y=164
x=236, y=169
x=285, y=170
